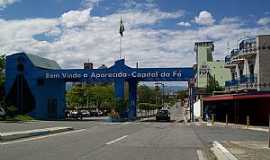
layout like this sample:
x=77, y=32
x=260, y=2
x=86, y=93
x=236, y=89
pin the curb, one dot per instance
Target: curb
x=240, y=126
x=231, y=125
x=221, y=152
x=9, y=136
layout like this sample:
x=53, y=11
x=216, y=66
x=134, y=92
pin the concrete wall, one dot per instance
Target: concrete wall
x=202, y=61
x=264, y=60
x=220, y=73
x=206, y=64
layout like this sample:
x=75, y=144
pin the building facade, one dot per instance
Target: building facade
x=249, y=65
x=207, y=67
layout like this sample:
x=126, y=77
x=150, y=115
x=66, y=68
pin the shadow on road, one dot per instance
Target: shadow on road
x=153, y=120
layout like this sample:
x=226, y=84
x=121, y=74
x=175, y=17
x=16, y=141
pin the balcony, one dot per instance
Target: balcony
x=244, y=82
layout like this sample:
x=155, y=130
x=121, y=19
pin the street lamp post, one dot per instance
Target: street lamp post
x=162, y=100
x=191, y=84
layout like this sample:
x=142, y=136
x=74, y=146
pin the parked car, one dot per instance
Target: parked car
x=100, y=113
x=163, y=114
x=93, y=113
x=75, y=114
x=85, y=113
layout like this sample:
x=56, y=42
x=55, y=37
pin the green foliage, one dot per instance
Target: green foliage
x=149, y=95
x=17, y=118
x=11, y=110
x=121, y=105
x=213, y=85
x=182, y=94
x=102, y=96
x=153, y=95
x=99, y=96
x=23, y=118
x=147, y=106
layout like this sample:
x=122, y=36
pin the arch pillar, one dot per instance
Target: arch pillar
x=132, y=109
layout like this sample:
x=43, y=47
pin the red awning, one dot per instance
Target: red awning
x=235, y=97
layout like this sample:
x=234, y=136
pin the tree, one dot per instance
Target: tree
x=147, y=94
x=100, y=96
x=213, y=84
x=182, y=95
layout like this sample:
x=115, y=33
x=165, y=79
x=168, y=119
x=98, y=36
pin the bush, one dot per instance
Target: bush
x=147, y=106
x=23, y=118
x=11, y=111
x=121, y=105
x=17, y=118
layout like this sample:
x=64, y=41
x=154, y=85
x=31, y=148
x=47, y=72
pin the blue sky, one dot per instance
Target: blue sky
x=159, y=33
x=55, y=8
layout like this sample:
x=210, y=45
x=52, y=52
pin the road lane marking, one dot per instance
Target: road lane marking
x=200, y=155
x=41, y=137
x=221, y=152
x=117, y=139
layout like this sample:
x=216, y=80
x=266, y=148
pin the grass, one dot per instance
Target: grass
x=17, y=118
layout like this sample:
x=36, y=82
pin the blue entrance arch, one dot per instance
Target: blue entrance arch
x=45, y=82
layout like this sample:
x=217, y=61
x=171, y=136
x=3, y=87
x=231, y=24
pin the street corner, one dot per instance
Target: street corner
x=241, y=150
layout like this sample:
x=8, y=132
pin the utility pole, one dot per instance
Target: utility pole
x=163, y=86
x=191, y=98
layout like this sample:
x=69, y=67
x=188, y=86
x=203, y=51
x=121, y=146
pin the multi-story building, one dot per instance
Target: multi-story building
x=208, y=68
x=207, y=71
x=249, y=65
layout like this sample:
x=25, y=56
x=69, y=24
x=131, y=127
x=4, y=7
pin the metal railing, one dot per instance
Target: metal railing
x=244, y=82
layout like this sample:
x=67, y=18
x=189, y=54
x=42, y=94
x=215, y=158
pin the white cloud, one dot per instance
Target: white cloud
x=185, y=24
x=205, y=18
x=264, y=21
x=17, y=35
x=90, y=3
x=5, y=3
x=75, y=18
x=138, y=17
x=97, y=38
x=230, y=20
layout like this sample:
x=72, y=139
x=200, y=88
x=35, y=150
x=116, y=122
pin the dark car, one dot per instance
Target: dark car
x=94, y=113
x=163, y=115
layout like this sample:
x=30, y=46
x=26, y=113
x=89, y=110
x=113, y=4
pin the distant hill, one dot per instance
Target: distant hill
x=169, y=89
x=172, y=89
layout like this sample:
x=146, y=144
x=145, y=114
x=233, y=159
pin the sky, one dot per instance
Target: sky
x=158, y=33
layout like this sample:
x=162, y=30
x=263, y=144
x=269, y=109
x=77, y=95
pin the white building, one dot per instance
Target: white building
x=250, y=65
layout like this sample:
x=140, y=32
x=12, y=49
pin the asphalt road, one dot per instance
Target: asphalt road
x=122, y=141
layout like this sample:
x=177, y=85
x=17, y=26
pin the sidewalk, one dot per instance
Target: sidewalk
x=9, y=136
x=232, y=125
x=242, y=150
x=248, y=150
